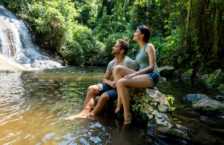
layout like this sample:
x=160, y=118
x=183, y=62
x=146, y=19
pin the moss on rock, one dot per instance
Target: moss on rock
x=215, y=78
x=189, y=73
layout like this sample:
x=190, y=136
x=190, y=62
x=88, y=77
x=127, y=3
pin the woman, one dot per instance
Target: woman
x=146, y=77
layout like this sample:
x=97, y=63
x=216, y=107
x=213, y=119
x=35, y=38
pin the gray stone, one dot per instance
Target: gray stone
x=173, y=132
x=166, y=71
x=219, y=97
x=211, y=106
x=195, y=97
x=215, y=78
x=152, y=103
x=204, y=76
x=203, y=118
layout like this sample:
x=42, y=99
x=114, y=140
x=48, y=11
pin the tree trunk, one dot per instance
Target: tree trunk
x=188, y=15
x=216, y=36
x=124, y=7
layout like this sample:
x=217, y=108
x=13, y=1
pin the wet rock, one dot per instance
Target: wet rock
x=203, y=118
x=210, y=106
x=219, y=97
x=166, y=71
x=146, y=104
x=44, y=64
x=173, y=132
x=160, y=118
x=181, y=127
x=188, y=74
x=149, y=100
x=195, y=97
x=215, y=78
x=152, y=103
x=204, y=76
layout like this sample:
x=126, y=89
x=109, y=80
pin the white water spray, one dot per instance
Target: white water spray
x=16, y=43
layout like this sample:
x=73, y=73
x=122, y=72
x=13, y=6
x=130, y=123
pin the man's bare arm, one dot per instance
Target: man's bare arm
x=107, y=81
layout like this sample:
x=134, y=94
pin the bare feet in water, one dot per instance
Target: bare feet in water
x=119, y=104
x=91, y=116
x=127, y=118
x=83, y=114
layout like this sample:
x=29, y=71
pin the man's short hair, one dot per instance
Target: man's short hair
x=123, y=45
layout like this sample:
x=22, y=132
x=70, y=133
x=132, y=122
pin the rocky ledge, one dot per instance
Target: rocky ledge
x=152, y=107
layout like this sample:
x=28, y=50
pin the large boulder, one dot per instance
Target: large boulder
x=215, y=78
x=166, y=71
x=195, y=97
x=188, y=74
x=152, y=103
x=210, y=106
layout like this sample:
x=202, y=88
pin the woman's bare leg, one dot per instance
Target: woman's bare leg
x=140, y=81
x=118, y=74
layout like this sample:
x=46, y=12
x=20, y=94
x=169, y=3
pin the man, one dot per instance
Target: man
x=107, y=90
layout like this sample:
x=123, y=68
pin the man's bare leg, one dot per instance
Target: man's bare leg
x=89, y=102
x=104, y=98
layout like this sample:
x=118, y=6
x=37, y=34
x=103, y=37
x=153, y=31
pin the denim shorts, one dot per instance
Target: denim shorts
x=153, y=77
x=112, y=93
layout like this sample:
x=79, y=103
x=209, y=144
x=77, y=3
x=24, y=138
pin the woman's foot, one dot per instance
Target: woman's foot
x=119, y=104
x=117, y=110
x=127, y=119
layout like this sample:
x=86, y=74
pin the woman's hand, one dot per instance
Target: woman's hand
x=112, y=84
x=128, y=77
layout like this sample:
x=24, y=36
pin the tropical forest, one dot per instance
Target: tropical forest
x=53, y=51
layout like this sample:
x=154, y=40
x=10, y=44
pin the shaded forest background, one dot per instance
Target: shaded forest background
x=186, y=33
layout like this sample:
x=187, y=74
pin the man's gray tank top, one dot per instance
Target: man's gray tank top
x=143, y=60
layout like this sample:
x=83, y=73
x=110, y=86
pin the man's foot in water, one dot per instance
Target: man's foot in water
x=83, y=114
x=91, y=116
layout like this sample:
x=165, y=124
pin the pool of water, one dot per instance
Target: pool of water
x=34, y=105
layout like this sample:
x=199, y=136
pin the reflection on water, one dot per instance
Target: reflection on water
x=34, y=105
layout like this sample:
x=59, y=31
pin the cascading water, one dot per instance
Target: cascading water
x=16, y=43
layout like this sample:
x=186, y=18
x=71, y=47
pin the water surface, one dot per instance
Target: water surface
x=34, y=105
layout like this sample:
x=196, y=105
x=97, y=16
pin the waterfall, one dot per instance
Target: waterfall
x=16, y=43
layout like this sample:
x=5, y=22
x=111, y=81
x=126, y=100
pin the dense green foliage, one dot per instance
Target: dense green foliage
x=186, y=34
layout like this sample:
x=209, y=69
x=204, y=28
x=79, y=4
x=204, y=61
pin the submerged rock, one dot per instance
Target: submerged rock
x=166, y=71
x=188, y=74
x=215, y=78
x=195, y=97
x=210, y=106
x=173, y=132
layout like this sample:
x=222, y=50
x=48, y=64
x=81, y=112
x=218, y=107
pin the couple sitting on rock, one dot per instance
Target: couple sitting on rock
x=126, y=73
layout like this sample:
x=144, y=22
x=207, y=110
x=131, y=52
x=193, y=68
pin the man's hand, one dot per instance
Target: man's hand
x=112, y=84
